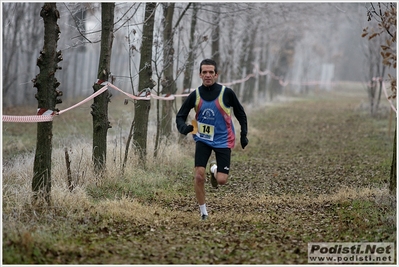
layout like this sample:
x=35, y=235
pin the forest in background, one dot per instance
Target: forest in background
x=302, y=43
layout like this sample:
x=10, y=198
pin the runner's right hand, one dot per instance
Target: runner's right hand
x=187, y=129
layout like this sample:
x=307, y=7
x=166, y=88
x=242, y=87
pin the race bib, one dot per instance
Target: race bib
x=205, y=131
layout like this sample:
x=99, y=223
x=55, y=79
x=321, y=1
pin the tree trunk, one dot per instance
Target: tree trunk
x=392, y=180
x=226, y=66
x=142, y=107
x=100, y=105
x=216, y=35
x=46, y=85
x=188, y=71
x=377, y=105
x=284, y=63
x=244, y=54
x=250, y=84
x=263, y=66
x=168, y=83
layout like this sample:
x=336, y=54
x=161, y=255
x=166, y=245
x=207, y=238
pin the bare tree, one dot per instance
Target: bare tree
x=215, y=36
x=375, y=70
x=189, y=66
x=248, y=95
x=142, y=107
x=100, y=105
x=168, y=83
x=47, y=97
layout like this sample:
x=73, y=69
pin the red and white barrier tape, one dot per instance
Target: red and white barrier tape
x=43, y=111
x=148, y=96
x=99, y=92
x=33, y=118
x=44, y=117
x=273, y=76
x=127, y=94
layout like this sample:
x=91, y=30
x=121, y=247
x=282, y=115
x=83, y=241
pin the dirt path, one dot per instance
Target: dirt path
x=315, y=171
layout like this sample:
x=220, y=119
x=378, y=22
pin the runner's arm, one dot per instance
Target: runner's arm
x=183, y=112
x=239, y=112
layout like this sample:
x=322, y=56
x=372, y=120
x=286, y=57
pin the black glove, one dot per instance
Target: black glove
x=244, y=141
x=187, y=129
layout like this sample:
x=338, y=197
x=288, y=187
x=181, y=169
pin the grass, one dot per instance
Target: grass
x=316, y=170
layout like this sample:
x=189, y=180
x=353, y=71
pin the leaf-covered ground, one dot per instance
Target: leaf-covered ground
x=316, y=170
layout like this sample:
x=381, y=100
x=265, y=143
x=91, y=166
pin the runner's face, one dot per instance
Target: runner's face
x=208, y=75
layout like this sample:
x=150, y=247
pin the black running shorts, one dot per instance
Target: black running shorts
x=203, y=152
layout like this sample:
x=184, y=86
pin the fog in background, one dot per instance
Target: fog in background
x=299, y=42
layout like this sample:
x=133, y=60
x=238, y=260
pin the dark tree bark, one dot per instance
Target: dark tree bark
x=142, y=107
x=393, y=176
x=216, y=34
x=248, y=94
x=243, y=58
x=168, y=83
x=100, y=105
x=188, y=71
x=47, y=97
x=226, y=66
x=189, y=67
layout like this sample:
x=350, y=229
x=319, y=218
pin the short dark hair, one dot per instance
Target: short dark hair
x=209, y=62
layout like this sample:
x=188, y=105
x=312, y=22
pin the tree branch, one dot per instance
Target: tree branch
x=76, y=24
x=181, y=16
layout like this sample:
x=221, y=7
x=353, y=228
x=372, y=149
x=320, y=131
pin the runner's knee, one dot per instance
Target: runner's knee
x=199, y=176
x=222, y=178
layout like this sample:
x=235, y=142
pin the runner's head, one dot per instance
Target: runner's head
x=208, y=72
x=209, y=62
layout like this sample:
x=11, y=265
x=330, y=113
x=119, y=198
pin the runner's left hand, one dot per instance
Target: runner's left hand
x=244, y=141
